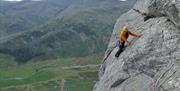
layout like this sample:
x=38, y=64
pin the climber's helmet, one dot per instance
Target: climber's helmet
x=125, y=29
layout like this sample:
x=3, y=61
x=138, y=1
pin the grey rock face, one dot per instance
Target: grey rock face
x=151, y=63
x=169, y=8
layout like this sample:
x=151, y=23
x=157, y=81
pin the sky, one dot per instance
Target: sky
x=12, y=0
x=122, y=0
x=19, y=0
x=38, y=0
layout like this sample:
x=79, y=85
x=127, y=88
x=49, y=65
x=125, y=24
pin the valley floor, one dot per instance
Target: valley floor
x=70, y=74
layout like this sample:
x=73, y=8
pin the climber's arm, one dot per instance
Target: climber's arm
x=135, y=35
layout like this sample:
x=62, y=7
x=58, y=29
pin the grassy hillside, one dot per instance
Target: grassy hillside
x=48, y=75
x=22, y=16
x=78, y=31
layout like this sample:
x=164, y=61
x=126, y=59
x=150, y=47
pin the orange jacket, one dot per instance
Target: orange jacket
x=124, y=34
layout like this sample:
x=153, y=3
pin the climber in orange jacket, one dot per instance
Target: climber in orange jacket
x=123, y=36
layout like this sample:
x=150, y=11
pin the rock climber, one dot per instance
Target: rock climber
x=123, y=36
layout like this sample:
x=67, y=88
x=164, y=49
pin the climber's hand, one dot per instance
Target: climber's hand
x=139, y=35
x=129, y=42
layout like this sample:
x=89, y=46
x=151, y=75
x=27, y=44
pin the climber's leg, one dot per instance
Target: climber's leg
x=121, y=46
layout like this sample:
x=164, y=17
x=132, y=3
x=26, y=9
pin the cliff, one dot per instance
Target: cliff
x=151, y=63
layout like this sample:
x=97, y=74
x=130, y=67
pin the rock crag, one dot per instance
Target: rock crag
x=151, y=63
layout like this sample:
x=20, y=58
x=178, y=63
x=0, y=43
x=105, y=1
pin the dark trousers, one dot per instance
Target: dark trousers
x=121, y=46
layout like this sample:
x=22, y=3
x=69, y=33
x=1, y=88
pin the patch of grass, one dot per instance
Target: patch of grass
x=89, y=75
x=7, y=61
x=92, y=59
x=47, y=75
x=79, y=85
x=40, y=76
x=16, y=72
x=49, y=86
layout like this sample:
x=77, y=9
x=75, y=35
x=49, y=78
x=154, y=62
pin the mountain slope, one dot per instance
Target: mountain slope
x=151, y=63
x=18, y=17
x=79, y=30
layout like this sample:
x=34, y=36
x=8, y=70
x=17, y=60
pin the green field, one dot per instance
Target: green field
x=49, y=75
